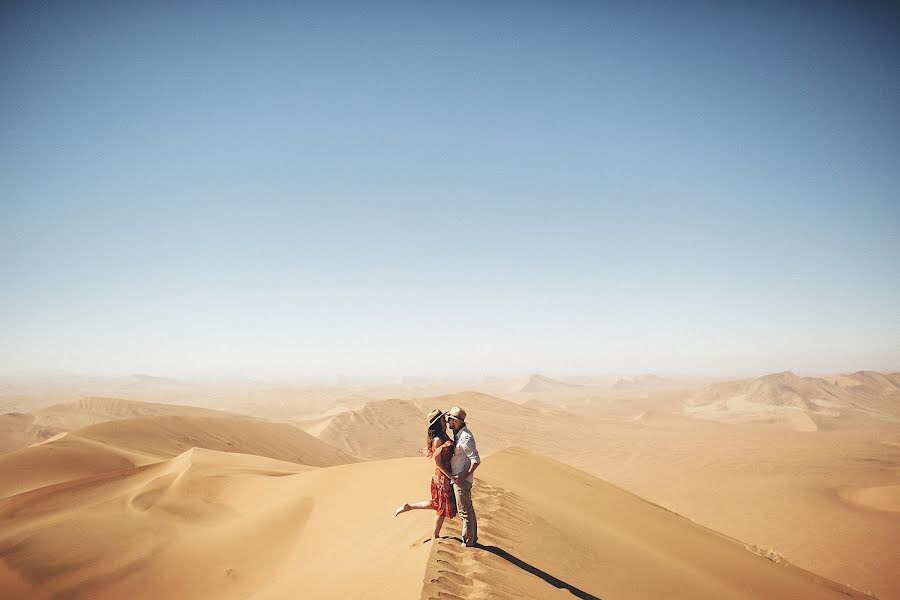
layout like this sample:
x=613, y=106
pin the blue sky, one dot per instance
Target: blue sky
x=417, y=188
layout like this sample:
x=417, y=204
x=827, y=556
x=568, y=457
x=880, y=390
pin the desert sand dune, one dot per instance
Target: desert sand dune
x=394, y=428
x=279, y=400
x=167, y=436
x=800, y=403
x=884, y=497
x=621, y=396
x=127, y=443
x=766, y=486
x=552, y=392
x=643, y=382
x=632, y=404
x=19, y=430
x=873, y=380
x=545, y=408
x=771, y=481
x=550, y=531
x=92, y=410
x=65, y=459
x=226, y=525
x=208, y=524
x=537, y=383
x=762, y=482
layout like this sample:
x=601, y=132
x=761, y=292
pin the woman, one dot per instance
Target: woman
x=443, y=500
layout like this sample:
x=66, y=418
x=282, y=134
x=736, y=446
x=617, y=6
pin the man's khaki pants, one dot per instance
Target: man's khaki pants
x=466, y=511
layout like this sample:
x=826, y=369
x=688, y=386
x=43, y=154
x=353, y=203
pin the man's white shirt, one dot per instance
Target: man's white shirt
x=464, y=454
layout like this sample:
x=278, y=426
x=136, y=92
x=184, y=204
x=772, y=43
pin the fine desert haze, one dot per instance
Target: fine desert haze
x=614, y=487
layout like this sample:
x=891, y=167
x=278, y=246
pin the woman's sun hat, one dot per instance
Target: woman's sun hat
x=434, y=415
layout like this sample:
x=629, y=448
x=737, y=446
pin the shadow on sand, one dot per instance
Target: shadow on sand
x=555, y=582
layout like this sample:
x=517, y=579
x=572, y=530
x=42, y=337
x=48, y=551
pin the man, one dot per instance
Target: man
x=462, y=466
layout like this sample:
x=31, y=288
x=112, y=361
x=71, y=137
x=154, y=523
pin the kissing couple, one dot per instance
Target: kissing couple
x=455, y=462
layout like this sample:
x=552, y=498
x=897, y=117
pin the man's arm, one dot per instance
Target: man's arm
x=472, y=453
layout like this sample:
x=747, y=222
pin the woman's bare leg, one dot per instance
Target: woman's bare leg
x=438, y=523
x=416, y=506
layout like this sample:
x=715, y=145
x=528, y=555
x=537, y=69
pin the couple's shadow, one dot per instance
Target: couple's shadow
x=529, y=568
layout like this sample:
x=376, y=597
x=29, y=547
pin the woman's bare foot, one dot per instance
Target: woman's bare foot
x=402, y=509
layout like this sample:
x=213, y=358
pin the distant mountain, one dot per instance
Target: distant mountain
x=632, y=382
x=804, y=403
x=867, y=380
x=140, y=380
x=540, y=383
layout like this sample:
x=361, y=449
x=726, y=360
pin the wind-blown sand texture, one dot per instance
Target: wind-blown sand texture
x=152, y=500
x=883, y=497
x=549, y=531
x=211, y=524
x=130, y=443
x=207, y=524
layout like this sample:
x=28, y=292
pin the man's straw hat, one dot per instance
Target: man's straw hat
x=457, y=413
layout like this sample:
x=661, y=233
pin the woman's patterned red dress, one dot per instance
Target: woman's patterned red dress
x=443, y=500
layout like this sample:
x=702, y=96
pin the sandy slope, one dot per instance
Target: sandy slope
x=394, y=428
x=134, y=442
x=791, y=491
x=770, y=486
x=881, y=497
x=166, y=436
x=597, y=394
x=19, y=430
x=537, y=383
x=209, y=524
x=550, y=531
x=92, y=410
x=826, y=499
x=801, y=403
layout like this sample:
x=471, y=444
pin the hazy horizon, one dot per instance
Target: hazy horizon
x=330, y=378
x=450, y=189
